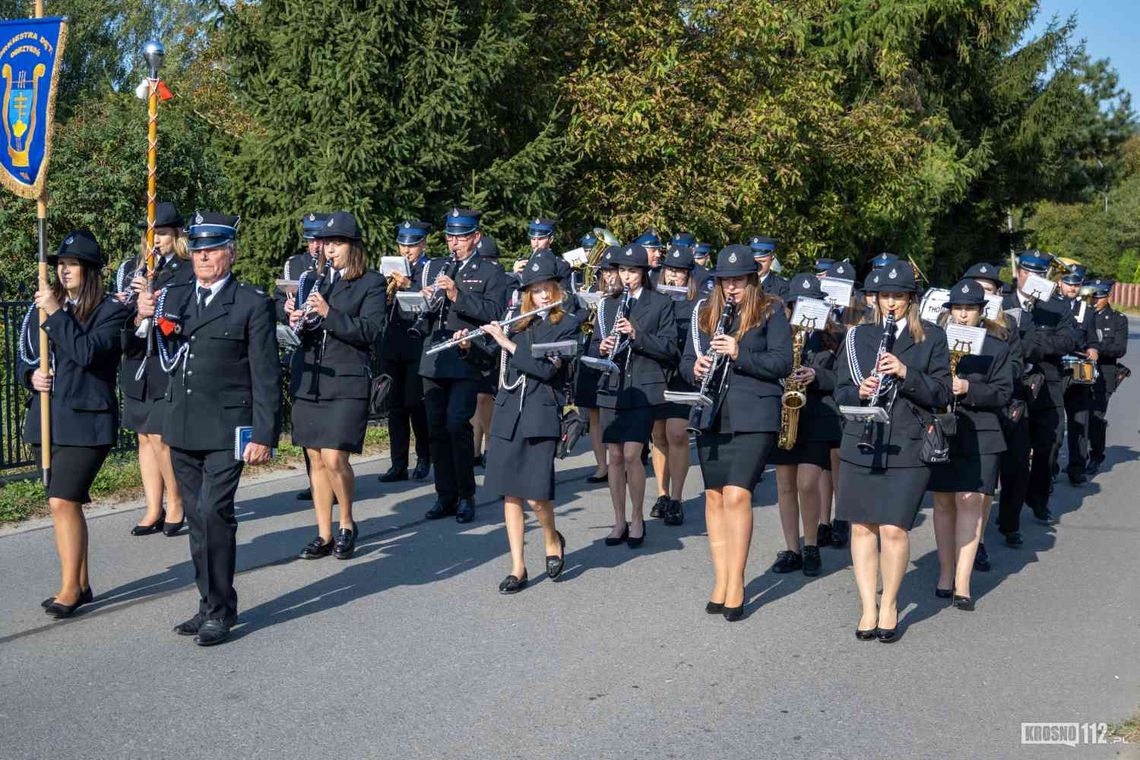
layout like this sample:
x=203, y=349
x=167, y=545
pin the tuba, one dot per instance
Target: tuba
x=605, y=240
x=794, y=396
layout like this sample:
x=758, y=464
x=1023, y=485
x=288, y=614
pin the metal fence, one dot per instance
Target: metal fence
x=15, y=455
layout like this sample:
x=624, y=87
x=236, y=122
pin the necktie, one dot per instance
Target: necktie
x=203, y=294
x=159, y=264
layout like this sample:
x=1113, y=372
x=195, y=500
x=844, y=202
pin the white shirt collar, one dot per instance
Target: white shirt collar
x=214, y=289
x=634, y=294
x=900, y=325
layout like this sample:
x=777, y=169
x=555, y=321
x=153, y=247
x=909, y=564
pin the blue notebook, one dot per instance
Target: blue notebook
x=243, y=436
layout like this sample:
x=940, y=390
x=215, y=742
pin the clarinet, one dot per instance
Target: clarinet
x=701, y=415
x=306, y=320
x=886, y=345
x=420, y=328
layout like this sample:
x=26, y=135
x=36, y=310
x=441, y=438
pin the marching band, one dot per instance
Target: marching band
x=870, y=393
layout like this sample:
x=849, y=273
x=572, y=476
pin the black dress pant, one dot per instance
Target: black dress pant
x=207, y=481
x=1046, y=427
x=1077, y=400
x=1098, y=410
x=406, y=413
x=1014, y=475
x=450, y=404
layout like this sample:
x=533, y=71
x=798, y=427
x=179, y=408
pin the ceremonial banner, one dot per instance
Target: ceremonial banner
x=30, y=52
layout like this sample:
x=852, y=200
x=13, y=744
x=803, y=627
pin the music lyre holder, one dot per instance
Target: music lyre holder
x=865, y=413
x=605, y=366
x=690, y=398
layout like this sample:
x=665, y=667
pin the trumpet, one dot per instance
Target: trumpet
x=451, y=343
x=866, y=441
x=307, y=321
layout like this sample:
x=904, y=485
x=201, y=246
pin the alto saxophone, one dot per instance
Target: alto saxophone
x=794, y=397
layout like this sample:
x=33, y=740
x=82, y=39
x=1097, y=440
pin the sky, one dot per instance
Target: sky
x=1110, y=29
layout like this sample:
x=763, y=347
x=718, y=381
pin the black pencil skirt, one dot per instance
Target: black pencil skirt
x=338, y=423
x=521, y=467
x=734, y=459
x=966, y=474
x=881, y=497
x=671, y=411
x=73, y=470
x=144, y=416
x=804, y=452
x=627, y=425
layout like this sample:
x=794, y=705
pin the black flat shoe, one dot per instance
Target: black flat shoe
x=211, y=633
x=439, y=510
x=555, y=563
x=146, y=530
x=659, y=507
x=840, y=533
x=982, y=559
x=86, y=596
x=823, y=535
x=598, y=478
x=788, y=561
x=345, y=543
x=513, y=584
x=715, y=608
x=964, y=603
x=887, y=635
x=306, y=495
x=171, y=529
x=674, y=513
x=866, y=635
x=732, y=614
x=316, y=549
x=465, y=511
x=61, y=611
x=1013, y=538
x=423, y=467
x=1044, y=516
x=943, y=593
x=611, y=541
x=394, y=474
x=636, y=542
x=812, y=563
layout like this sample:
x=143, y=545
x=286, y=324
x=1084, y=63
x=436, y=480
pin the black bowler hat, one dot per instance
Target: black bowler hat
x=609, y=258
x=734, y=261
x=806, y=285
x=967, y=292
x=679, y=257
x=841, y=270
x=897, y=277
x=81, y=245
x=340, y=224
x=874, y=281
x=632, y=256
x=539, y=269
x=209, y=229
x=984, y=271
x=165, y=215
x=487, y=248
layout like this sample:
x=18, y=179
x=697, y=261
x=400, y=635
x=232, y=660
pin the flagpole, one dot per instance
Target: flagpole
x=45, y=363
x=154, y=54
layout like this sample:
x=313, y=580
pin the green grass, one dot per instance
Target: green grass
x=119, y=479
x=1129, y=730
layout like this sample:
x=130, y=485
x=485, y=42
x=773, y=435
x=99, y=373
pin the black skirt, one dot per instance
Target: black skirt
x=338, y=423
x=521, y=467
x=881, y=497
x=733, y=460
x=627, y=425
x=671, y=411
x=976, y=474
x=143, y=416
x=586, y=387
x=804, y=452
x=73, y=470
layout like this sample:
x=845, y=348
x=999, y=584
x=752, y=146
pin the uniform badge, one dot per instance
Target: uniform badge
x=965, y=288
x=455, y=212
x=198, y=218
x=732, y=258
x=69, y=241
x=534, y=267
x=894, y=274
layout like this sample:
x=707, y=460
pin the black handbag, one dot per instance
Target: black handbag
x=936, y=435
x=378, y=392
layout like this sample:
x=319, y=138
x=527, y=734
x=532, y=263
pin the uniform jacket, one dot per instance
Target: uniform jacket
x=991, y=379
x=533, y=409
x=483, y=291
x=84, y=407
x=819, y=417
x=682, y=315
x=334, y=357
x=925, y=390
x=643, y=365
x=152, y=385
x=1085, y=318
x=1046, y=335
x=751, y=402
x=230, y=375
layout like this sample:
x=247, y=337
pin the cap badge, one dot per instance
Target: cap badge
x=329, y=223
x=455, y=212
x=894, y=274
x=965, y=288
x=69, y=241
x=628, y=251
x=732, y=258
x=534, y=267
x=984, y=269
x=312, y=217
x=198, y=218
x=407, y=225
x=839, y=269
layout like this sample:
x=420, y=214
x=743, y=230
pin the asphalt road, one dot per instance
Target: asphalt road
x=408, y=651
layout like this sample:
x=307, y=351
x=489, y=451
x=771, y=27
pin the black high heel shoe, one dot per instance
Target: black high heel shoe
x=605, y=476
x=155, y=527
x=555, y=563
x=636, y=542
x=60, y=611
x=888, y=635
x=611, y=541
x=866, y=635
x=87, y=596
x=732, y=614
x=715, y=608
x=943, y=593
x=171, y=529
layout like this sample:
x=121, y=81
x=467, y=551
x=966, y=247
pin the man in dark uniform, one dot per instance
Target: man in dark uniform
x=764, y=254
x=1078, y=396
x=225, y=377
x=702, y=266
x=400, y=354
x=1112, y=337
x=471, y=293
x=650, y=240
x=1047, y=333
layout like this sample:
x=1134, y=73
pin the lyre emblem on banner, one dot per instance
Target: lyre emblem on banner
x=19, y=114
